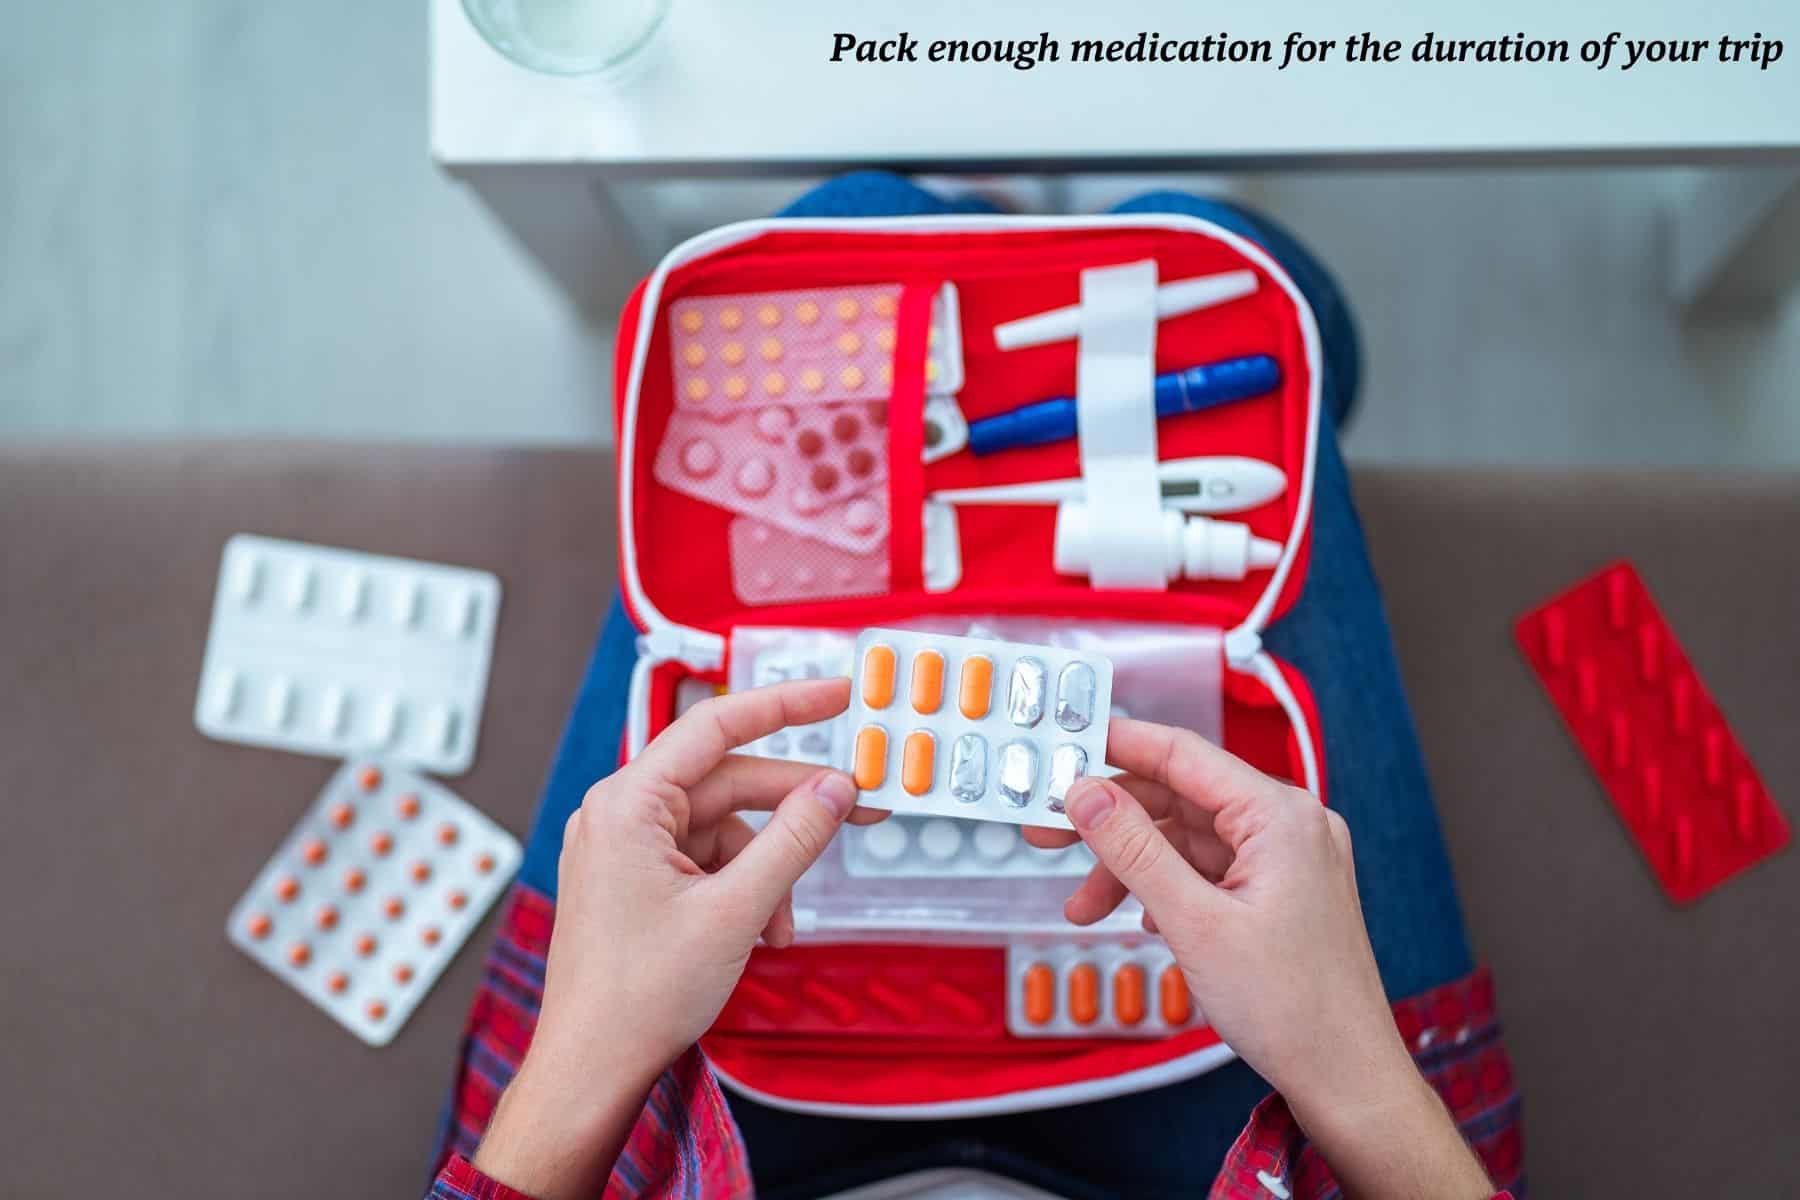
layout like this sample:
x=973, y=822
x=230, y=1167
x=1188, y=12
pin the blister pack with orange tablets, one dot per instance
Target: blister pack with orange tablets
x=966, y=727
x=1124, y=988
x=371, y=895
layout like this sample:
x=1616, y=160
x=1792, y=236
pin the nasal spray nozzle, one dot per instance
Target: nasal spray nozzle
x=1192, y=547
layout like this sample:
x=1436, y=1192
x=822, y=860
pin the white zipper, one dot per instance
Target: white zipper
x=701, y=650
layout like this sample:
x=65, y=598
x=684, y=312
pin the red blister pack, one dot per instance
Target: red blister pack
x=1677, y=775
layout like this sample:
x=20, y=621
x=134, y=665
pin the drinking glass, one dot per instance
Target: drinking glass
x=567, y=37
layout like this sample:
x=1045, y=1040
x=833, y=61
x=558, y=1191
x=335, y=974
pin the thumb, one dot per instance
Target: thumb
x=1128, y=843
x=803, y=824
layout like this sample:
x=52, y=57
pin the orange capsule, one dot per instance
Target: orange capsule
x=1128, y=994
x=394, y=907
x=408, y=806
x=421, y=871
x=871, y=757
x=365, y=944
x=369, y=778
x=313, y=852
x=336, y=982
x=1084, y=994
x=1176, y=1007
x=376, y=1010
x=485, y=864
x=927, y=681
x=354, y=879
x=1040, y=993
x=402, y=973
x=299, y=954
x=459, y=900
x=447, y=834
x=915, y=762
x=327, y=918
x=341, y=815
x=430, y=935
x=286, y=888
x=975, y=687
x=258, y=926
x=381, y=843
x=878, y=676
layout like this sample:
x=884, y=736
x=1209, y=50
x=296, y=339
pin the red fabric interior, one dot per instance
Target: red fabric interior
x=684, y=569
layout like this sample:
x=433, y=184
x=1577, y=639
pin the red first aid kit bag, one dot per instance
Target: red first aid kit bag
x=806, y=319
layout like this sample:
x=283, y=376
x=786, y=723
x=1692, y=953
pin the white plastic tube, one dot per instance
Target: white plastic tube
x=1172, y=300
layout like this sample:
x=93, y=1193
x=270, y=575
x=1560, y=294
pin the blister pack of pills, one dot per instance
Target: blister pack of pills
x=966, y=727
x=778, y=655
x=907, y=847
x=1115, y=988
x=809, y=346
x=341, y=653
x=772, y=565
x=745, y=463
x=1678, y=777
x=372, y=894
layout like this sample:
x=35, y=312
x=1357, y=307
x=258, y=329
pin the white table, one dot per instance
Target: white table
x=737, y=89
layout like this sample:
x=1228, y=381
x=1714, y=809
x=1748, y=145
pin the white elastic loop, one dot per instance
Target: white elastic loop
x=1115, y=417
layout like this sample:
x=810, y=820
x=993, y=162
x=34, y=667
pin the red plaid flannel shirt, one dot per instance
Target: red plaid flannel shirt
x=686, y=1144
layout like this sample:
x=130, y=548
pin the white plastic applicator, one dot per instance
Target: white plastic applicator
x=1172, y=300
x=1193, y=547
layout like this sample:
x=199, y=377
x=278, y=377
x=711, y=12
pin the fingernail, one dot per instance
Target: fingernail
x=1090, y=803
x=836, y=793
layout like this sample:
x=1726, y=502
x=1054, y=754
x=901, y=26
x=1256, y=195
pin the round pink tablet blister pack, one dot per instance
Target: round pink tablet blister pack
x=819, y=471
x=772, y=565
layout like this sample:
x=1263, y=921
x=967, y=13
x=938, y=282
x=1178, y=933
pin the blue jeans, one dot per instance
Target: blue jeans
x=1170, y=1141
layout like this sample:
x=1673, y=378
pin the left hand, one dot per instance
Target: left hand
x=662, y=892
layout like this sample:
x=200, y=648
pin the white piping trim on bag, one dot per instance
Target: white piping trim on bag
x=1057, y=1096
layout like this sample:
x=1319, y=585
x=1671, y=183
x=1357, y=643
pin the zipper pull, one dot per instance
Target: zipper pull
x=670, y=643
x=1242, y=646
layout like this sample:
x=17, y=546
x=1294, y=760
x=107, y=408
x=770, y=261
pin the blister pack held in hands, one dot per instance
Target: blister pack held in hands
x=965, y=727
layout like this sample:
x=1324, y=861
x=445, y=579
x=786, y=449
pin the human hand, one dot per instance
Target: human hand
x=1252, y=884
x=662, y=892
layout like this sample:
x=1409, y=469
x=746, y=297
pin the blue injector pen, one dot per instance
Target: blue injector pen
x=1178, y=392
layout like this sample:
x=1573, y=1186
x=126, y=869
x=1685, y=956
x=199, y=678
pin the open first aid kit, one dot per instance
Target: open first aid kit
x=1014, y=476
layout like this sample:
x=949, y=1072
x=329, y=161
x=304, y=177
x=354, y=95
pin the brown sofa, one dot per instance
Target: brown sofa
x=142, y=1054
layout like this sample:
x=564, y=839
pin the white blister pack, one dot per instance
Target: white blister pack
x=1125, y=988
x=372, y=894
x=910, y=847
x=340, y=653
x=782, y=655
x=974, y=728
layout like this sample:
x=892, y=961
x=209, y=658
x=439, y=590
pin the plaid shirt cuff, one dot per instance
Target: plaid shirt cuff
x=684, y=1143
x=1454, y=1037
x=460, y=1181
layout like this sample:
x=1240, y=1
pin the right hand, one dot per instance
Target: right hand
x=1251, y=883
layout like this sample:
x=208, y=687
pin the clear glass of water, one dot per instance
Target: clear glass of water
x=567, y=37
